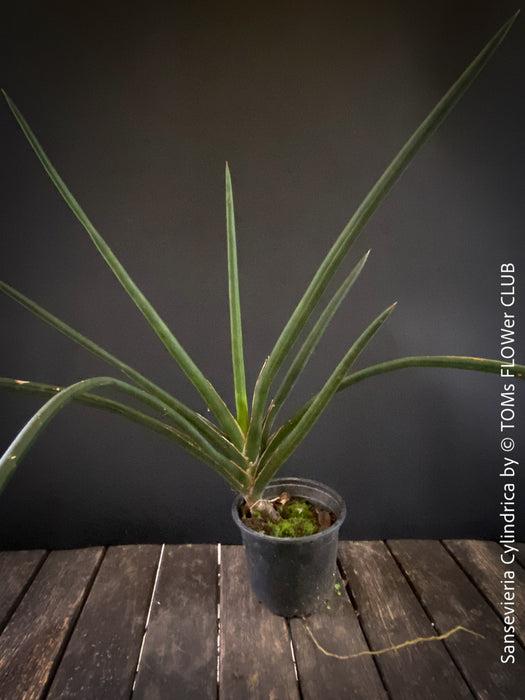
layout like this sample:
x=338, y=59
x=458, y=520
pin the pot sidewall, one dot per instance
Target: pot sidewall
x=293, y=576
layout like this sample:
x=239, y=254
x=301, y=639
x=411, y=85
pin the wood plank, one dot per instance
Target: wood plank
x=255, y=658
x=482, y=562
x=337, y=630
x=16, y=573
x=451, y=599
x=390, y=614
x=520, y=557
x=179, y=658
x=102, y=654
x=38, y=630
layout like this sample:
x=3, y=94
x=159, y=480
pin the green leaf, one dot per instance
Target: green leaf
x=198, y=421
x=277, y=454
x=190, y=369
x=111, y=406
x=241, y=400
x=477, y=364
x=311, y=342
x=353, y=228
x=234, y=474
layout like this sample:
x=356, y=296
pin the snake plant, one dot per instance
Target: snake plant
x=244, y=446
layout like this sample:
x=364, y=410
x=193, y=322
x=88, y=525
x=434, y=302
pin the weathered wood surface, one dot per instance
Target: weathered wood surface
x=152, y=623
x=255, y=654
x=34, y=637
x=180, y=646
x=16, y=573
x=338, y=631
x=452, y=599
x=391, y=614
x=102, y=654
x=482, y=561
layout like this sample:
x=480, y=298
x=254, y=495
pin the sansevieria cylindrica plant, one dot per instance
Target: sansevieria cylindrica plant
x=246, y=447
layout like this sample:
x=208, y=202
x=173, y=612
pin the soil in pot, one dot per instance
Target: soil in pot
x=287, y=516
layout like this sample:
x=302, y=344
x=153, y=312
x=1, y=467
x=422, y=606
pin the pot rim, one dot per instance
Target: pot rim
x=289, y=540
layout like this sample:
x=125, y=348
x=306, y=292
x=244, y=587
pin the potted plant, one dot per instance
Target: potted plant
x=246, y=447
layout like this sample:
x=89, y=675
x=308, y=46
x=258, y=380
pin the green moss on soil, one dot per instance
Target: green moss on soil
x=299, y=518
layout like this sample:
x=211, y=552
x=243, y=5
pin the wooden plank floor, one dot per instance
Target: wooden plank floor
x=155, y=622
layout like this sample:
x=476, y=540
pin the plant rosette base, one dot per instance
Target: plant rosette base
x=293, y=576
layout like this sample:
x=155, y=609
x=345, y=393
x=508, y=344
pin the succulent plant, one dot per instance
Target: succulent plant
x=244, y=446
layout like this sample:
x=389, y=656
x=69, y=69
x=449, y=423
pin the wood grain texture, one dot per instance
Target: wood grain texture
x=179, y=658
x=451, y=599
x=256, y=659
x=38, y=630
x=520, y=557
x=390, y=614
x=16, y=572
x=102, y=654
x=482, y=562
x=79, y=619
x=337, y=630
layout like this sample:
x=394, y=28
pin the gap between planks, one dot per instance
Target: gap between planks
x=148, y=617
x=218, y=617
x=219, y=584
x=428, y=613
x=357, y=613
x=219, y=551
x=85, y=595
x=152, y=601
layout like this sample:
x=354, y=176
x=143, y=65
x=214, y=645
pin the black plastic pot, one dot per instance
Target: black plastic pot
x=293, y=576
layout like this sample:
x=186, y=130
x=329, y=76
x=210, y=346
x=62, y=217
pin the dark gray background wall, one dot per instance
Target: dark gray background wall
x=139, y=104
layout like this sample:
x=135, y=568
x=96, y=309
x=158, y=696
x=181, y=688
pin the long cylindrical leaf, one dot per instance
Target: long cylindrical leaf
x=354, y=227
x=241, y=400
x=477, y=364
x=270, y=463
x=190, y=369
x=210, y=431
x=111, y=406
x=25, y=438
x=309, y=345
